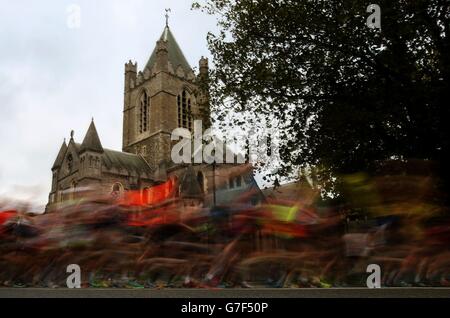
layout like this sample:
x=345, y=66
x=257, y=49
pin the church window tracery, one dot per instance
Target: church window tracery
x=184, y=110
x=144, y=102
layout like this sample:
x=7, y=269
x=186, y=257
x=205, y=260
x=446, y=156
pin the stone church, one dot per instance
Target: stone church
x=165, y=95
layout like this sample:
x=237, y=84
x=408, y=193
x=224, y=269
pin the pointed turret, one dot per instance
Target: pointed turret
x=190, y=188
x=203, y=66
x=60, y=157
x=91, y=141
x=174, y=54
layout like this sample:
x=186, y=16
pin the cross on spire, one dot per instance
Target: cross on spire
x=167, y=16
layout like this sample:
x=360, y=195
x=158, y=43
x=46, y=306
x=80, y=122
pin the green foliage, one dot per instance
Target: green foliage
x=350, y=96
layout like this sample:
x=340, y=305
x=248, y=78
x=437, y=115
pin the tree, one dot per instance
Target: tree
x=350, y=96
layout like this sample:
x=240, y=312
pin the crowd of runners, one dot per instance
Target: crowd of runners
x=396, y=220
x=266, y=246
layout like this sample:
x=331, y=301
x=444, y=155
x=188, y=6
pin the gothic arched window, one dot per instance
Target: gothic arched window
x=184, y=110
x=144, y=102
x=117, y=190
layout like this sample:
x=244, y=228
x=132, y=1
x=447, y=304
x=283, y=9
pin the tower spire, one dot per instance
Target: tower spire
x=175, y=54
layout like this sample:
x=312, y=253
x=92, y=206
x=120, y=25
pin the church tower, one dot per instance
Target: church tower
x=165, y=95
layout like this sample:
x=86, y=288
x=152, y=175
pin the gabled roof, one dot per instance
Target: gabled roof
x=60, y=156
x=176, y=56
x=91, y=140
x=126, y=161
x=129, y=162
x=248, y=192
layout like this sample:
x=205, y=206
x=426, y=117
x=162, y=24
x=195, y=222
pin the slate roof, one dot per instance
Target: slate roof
x=245, y=194
x=60, y=156
x=176, y=56
x=127, y=161
x=111, y=158
x=91, y=140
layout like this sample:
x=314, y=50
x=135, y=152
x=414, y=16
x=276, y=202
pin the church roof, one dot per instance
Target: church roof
x=60, y=156
x=127, y=161
x=190, y=187
x=176, y=56
x=112, y=159
x=91, y=140
x=245, y=194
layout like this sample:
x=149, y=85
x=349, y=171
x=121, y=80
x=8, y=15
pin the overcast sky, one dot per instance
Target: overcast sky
x=54, y=77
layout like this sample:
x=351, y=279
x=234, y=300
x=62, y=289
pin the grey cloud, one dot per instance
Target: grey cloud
x=53, y=79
